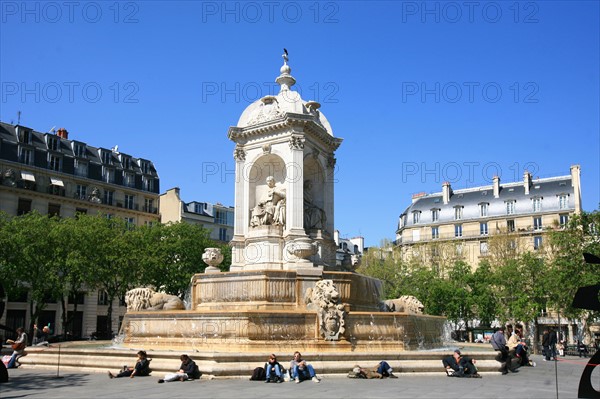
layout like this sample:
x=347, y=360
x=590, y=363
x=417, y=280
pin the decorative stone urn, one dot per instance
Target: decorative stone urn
x=213, y=258
x=302, y=248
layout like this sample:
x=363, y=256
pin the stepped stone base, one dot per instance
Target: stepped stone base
x=78, y=357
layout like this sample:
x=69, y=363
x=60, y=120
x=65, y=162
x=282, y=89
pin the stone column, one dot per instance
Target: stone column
x=240, y=213
x=241, y=218
x=329, y=194
x=295, y=187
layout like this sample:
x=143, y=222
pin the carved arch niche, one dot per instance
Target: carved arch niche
x=264, y=166
x=315, y=174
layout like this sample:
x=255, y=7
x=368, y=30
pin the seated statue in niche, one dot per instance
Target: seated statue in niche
x=314, y=217
x=270, y=210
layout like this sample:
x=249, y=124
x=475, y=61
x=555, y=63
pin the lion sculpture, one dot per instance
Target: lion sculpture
x=147, y=299
x=406, y=304
x=324, y=297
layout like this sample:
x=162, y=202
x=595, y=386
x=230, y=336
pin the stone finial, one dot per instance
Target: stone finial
x=213, y=258
x=285, y=80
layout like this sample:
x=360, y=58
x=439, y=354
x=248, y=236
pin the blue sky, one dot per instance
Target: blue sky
x=421, y=92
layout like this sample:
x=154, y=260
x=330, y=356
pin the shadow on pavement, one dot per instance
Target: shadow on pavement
x=19, y=384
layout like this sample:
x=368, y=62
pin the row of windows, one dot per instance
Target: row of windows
x=80, y=151
x=484, y=230
x=54, y=162
x=483, y=247
x=24, y=206
x=563, y=202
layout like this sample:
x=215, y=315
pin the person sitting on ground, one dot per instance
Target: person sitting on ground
x=141, y=368
x=458, y=365
x=382, y=370
x=273, y=370
x=188, y=370
x=43, y=337
x=18, y=347
x=301, y=370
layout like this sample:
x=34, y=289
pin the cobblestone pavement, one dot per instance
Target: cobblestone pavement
x=530, y=382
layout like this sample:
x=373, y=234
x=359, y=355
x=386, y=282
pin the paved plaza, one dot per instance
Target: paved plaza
x=538, y=382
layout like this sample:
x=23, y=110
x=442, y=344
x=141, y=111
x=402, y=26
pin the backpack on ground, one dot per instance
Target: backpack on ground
x=259, y=374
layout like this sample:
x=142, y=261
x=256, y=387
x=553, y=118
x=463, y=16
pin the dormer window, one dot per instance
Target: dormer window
x=52, y=142
x=458, y=212
x=483, y=209
x=435, y=215
x=106, y=157
x=79, y=150
x=126, y=163
x=537, y=204
x=24, y=135
x=510, y=207
x=563, y=201
x=145, y=166
x=416, y=217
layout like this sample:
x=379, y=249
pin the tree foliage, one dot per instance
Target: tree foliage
x=53, y=258
x=512, y=283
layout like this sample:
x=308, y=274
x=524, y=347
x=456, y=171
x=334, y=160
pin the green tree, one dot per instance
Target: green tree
x=567, y=268
x=113, y=253
x=483, y=294
x=174, y=255
x=29, y=259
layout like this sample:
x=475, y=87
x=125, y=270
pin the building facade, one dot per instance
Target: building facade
x=55, y=175
x=349, y=250
x=465, y=220
x=464, y=224
x=217, y=218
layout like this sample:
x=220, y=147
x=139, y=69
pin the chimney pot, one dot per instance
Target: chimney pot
x=527, y=181
x=62, y=133
x=446, y=192
x=496, y=186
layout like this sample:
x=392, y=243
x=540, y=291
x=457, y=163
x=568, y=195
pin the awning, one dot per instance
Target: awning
x=56, y=182
x=28, y=176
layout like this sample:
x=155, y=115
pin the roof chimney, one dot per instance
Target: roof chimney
x=576, y=183
x=496, y=181
x=62, y=133
x=446, y=192
x=527, y=181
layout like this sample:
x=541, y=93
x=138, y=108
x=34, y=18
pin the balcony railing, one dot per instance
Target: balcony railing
x=467, y=236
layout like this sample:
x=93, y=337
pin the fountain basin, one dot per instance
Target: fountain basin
x=266, y=310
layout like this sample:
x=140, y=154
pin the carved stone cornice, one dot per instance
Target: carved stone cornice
x=306, y=122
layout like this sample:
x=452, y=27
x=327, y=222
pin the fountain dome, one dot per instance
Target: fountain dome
x=287, y=101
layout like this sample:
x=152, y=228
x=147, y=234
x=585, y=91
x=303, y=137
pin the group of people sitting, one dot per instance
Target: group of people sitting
x=299, y=370
x=458, y=365
x=187, y=371
x=512, y=352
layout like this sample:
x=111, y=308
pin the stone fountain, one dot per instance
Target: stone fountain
x=283, y=292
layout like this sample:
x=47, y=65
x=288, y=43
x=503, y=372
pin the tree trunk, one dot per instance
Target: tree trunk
x=109, y=313
x=534, y=342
